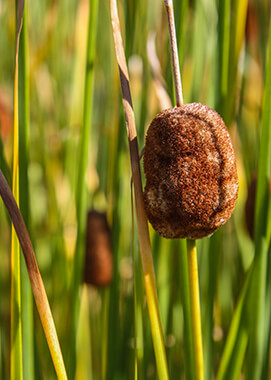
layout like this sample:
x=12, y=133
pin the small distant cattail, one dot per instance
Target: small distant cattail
x=191, y=177
x=98, y=259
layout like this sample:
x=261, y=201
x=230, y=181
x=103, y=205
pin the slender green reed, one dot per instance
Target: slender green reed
x=35, y=279
x=195, y=308
x=257, y=323
x=16, y=366
x=27, y=298
x=220, y=44
x=223, y=56
x=238, y=318
x=213, y=255
x=188, y=329
x=239, y=12
x=81, y=190
x=191, y=244
x=144, y=239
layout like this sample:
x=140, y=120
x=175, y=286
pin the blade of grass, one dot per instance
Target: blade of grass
x=223, y=55
x=27, y=300
x=188, y=335
x=258, y=288
x=213, y=256
x=144, y=239
x=228, y=351
x=181, y=9
x=237, y=27
x=81, y=191
x=16, y=369
x=84, y=362
x=138, y=333
x=113, y=345
x=35, y=278
x=237, y=359
x=199, y=50
x=267, y=342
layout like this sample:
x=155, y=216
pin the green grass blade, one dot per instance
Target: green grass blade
x=223, y=54
x=138, y=331
x=267, y=337
x=238, y=23
x=81, y=190
x=185, y=294
x=228, y=352
x=16, y=370
x=213, y=261
x=258, y=288
x=142, y=224
x=27, y=299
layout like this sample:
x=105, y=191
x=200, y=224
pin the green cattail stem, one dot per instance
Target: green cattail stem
x=195, y=308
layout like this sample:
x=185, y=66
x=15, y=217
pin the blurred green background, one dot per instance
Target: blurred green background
x=222, y=49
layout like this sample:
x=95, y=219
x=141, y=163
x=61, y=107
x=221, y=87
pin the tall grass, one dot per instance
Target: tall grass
x=73, y=156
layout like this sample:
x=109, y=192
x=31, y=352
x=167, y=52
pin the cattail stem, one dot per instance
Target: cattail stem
x=195, y=308
x=174, y=53
x=191, y=244
x=143, y=231
x=35, y=277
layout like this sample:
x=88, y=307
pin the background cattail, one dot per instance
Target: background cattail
x=191, y=177
x=98, y=259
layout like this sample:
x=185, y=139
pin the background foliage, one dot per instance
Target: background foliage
x=224, y=64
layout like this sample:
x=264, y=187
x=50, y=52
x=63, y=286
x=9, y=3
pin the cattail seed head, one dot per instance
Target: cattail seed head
x=191, y=177
x=98, y=269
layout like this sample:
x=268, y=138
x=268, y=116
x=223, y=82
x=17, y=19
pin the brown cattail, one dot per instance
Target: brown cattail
x=98, y=259
x=191, y=177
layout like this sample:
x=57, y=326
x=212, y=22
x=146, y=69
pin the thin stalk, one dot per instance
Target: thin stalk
x=174, y=53
x=27, y=298
x=258, y=290
x=16, y=365
x=138, y=333
x=35, y=278
x=223, y=56
x=81, y=190
x=143, y=231
x=195, y=308
x=185, y=294
x=191, y=244
x=231, y=342
x=135, y=290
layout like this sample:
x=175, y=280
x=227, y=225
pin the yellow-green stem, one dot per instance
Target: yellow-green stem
x=142, y=224
x=36, y=283
x=195, y=308
x=15, y=318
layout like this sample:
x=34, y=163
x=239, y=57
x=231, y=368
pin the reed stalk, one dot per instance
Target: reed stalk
x=81, y=189
x=142, y=224
x=35, y=278
x=27, y=298
x=191, y=244
x=16, y=365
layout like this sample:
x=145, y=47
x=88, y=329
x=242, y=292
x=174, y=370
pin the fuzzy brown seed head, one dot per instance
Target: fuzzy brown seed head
x=98, y=259
x=191, y=177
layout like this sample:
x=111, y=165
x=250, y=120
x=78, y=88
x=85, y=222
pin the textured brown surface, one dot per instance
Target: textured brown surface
x=98, y=259
x=191, y=178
